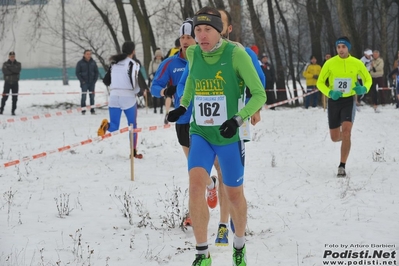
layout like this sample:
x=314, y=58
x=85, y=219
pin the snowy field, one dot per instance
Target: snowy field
x=80, y=207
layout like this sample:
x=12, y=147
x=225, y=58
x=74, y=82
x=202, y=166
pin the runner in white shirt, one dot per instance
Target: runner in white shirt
x=122, y=78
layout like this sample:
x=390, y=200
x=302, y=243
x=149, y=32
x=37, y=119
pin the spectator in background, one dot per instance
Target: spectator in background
x=311, y=73
x=255, y=48
x=152, y=69
x=268, y=70
x=174, y=50
x=366, y=59
x=395, y=78
x=87, y=73
x=396, y=61
x=11, y=70
x=395, y=74
x=326, y=57
x=377, y=73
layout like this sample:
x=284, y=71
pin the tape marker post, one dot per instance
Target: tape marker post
x=81, y=143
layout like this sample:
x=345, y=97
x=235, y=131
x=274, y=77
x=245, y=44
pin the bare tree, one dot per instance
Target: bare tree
x=290, y=60
x=257, y=30
x=186, y=8
x=280, y=80
x=315, y=21
x=347, y=23
x=325, y=10
x=364, y=31
x=236, y=13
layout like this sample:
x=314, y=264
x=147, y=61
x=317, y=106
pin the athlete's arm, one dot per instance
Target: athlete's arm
x=182, y=82
x=256, y=65
x=245, y=68
x=189, y=85
x=161, y=79
x=323, y=76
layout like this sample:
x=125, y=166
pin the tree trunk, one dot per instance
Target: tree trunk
x=329, y=25
x=280, y=80
x=123, y=19
x=259, y=33
x=146, y=32
x=236, y=13
x=109, y=26
x=315, y=21
x=219, y=4
x=364, y=21
x=347, y=23
x=289, y=47
x=186, y=9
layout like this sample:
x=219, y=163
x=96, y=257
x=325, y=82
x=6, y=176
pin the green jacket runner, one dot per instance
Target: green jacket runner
x=342, y=75
x=216, y=84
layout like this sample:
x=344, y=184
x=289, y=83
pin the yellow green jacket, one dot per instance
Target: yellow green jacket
x=310, y=71
x=337, y=69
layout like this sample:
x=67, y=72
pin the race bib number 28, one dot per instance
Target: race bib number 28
x=210, y=110
x=342, y=84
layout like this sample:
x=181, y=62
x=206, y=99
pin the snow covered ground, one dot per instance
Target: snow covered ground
x=298, y=211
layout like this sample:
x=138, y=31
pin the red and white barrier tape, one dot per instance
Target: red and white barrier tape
x=289, y=100
x=49, y=93
x=382, y=88
x=81, y=143
x=56, y=114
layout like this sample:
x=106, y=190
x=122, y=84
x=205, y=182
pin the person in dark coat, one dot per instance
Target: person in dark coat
x=87, y=73
x=11, y=70
x=268, y=70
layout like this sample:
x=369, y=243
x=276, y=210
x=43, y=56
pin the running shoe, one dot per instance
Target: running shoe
x=201, y=260
x=187, y=221
x=239, y=257
x=222, y=237
x=341, y=172
x=212, y=194
x=103, y=128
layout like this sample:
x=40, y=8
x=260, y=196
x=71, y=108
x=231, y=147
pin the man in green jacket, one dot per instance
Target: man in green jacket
x=218, y=73
x=342, y=71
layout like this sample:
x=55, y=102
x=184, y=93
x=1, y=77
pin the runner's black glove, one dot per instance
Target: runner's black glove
x=169, y=91
x=229, y=128
x=174, y=115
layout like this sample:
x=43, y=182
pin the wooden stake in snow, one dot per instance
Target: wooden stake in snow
x=131, y=131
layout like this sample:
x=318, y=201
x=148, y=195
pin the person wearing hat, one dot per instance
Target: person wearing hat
x=377, y=73
x=366, y=59
x=311, y=73
x=169, y=72
x=11, y=70
x=394, y=74
x=268, y=70
x=218, y=74
x=167, y=77
x=152, y=68
x=342, y=72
